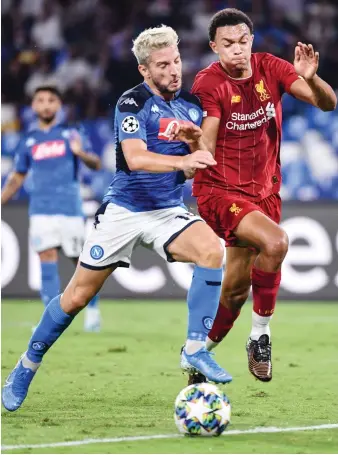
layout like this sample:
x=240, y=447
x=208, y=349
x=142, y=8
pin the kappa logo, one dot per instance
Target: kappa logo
x=129, y=101
x=234, y=209
x=65, y=134
x=30, y=141
x=185, y=216
x=262, y=91
x=155, y=109
x=49, y=149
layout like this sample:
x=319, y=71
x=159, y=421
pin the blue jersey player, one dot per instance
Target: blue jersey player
x=144, y=207
x=51, y=152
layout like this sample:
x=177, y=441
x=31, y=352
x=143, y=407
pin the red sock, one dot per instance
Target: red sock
x=265, y=287
x=223, y=323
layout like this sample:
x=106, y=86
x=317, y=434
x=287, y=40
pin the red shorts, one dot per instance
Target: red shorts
x=223, y=214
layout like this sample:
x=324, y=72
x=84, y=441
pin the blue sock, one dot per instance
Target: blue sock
x=94, y=303
x=50, y=281
x=53, y=323
x=203, y=301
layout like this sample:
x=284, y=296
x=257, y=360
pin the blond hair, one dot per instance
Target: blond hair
x=153, y=39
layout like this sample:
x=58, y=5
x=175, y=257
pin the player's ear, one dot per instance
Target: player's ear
x=213, y=46
x=143, y=70
x=33, y=104
x=59, y=103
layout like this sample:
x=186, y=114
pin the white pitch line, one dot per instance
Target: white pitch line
x=327, y=426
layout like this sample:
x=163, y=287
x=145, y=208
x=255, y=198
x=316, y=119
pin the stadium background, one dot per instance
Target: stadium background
x=83, y=46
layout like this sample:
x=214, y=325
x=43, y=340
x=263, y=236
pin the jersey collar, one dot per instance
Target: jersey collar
x=34, y=127
x=237, y=81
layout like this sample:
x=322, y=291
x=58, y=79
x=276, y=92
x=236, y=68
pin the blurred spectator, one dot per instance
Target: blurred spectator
x=46, y=31
x=80, y=100
x=13, y=80
x=75, y=67
x=42, y=74
x=84, y=47
x=31, y=8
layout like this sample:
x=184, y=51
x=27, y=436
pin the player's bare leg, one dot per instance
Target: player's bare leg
x=199, y=244
x=258, y=230
x=235, y=291
x=57, y=316
x=92, y=314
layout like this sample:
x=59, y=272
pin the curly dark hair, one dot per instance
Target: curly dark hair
x=48, y=88
x=228, y=16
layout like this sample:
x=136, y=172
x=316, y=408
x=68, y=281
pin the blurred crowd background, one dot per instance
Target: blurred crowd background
x=83, y=47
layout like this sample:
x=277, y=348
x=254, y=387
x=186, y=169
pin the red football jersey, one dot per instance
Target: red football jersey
x=249, y=135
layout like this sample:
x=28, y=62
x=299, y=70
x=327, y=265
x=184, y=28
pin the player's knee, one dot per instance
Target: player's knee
x=50, y=255
x=211, y=254
x=81, y=295
x=278, y=246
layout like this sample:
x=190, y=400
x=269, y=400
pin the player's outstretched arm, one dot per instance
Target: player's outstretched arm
x=90, y=159
x=140, y=159
x=13, y=183
x=311, y=89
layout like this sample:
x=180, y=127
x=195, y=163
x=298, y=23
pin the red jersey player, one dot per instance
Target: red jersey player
x=239, y=197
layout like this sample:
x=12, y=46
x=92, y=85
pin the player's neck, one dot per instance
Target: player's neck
x=166, y=96
x=45, y=126
x=240, y=74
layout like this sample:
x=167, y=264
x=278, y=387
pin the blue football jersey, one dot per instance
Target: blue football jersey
x=55, y=188
x=140, y=114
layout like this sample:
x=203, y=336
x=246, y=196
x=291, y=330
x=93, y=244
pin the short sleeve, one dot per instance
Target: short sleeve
x=284, y=72
x=131, y=120
x=205, y=91
x=22, y=158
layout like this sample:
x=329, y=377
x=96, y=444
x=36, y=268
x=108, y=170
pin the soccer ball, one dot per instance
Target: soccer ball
x=202, y=409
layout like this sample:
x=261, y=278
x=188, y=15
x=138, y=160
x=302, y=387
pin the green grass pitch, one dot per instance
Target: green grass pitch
x=124, y=380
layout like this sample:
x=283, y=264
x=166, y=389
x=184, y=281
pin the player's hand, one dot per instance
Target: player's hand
x=200, y=159
x=190, y=174
x=306, y=60
x=186, y=132
x=75, y=143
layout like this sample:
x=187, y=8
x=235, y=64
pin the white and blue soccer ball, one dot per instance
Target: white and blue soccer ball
x=202, y=409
